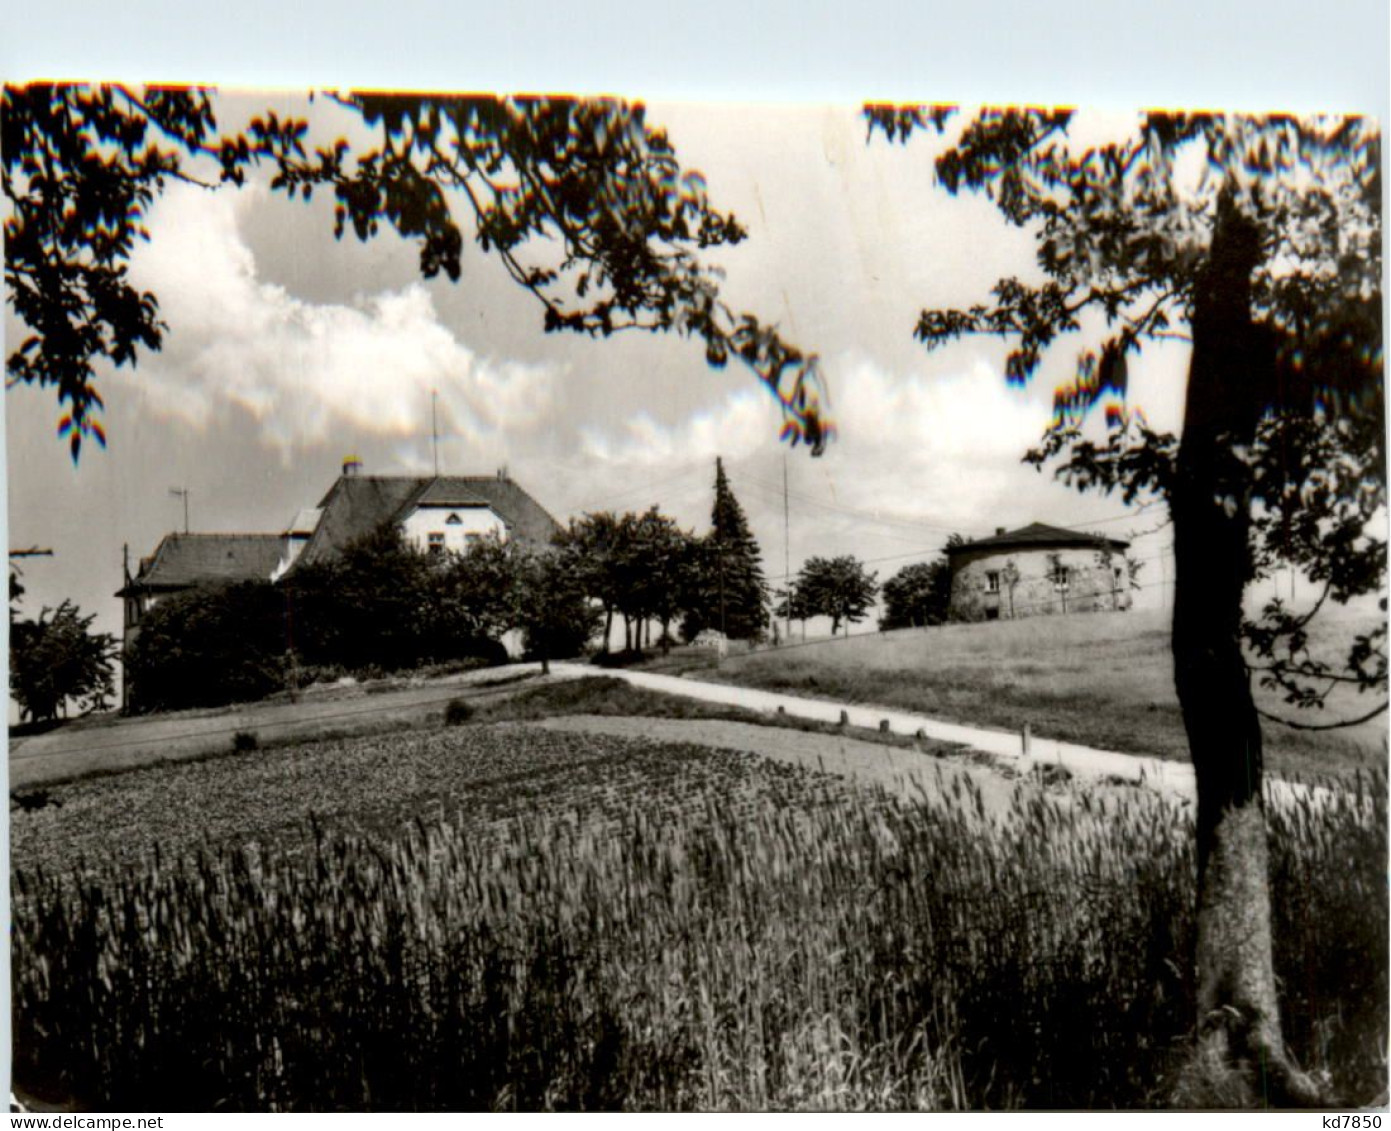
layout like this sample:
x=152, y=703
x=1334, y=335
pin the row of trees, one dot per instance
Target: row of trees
x=647, y=570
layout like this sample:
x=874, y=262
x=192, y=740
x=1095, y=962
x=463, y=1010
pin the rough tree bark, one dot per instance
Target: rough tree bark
x=1240, y=1058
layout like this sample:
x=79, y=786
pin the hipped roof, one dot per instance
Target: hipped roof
x=1037, y=536
x=182, y=560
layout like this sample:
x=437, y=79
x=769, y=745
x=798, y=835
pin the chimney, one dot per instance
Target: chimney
x=351, y=466
x=999, y=530
x=502, y=472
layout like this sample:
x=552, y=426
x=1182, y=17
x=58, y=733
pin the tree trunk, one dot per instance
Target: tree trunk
x=608, y=628
x=1240, y=1058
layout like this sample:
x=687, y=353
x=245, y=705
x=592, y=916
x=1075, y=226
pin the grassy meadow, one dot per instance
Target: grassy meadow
x=1101, y=679
x=493, y=916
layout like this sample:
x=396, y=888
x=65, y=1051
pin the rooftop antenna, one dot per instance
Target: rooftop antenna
x=182, y=492
x=434, y=430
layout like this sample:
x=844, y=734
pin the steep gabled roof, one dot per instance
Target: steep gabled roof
x=1037, y=536
x=184, y=560
x=526, y=519
x=357, y=505
x=305, y=522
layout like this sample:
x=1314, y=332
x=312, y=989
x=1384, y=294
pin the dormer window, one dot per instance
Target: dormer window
x=453, y=520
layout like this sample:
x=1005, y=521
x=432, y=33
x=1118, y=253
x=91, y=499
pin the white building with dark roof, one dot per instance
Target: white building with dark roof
x=1038, y=570
x=437, y=514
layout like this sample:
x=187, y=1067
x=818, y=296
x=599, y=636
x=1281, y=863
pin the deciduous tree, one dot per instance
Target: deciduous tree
x=585, y=204
x=56, y=659
x=591, y=546
x=555, y=616
x=917, y=595
x=1258, y=241
x=839, y=588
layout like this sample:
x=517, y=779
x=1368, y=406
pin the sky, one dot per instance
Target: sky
x=287, y=351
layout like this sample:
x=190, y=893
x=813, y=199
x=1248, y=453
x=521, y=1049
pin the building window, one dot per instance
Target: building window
x=992, y=581
x=1118, y=573
x=472, y=538
x=453, y=520
x=1060, y=579
x=437, y=542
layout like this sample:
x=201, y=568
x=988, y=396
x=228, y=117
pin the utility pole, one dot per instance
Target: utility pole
x=786, y=549
x=182, y=492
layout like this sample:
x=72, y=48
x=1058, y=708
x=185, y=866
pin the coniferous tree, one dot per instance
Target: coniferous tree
x=731, y=595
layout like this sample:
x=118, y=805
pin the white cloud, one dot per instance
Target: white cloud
x=941, y=447
x=734, y=428
x=310, y=371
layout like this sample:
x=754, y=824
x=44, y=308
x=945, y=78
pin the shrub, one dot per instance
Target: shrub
x=244, y=741
x=458, y=712
x=208, y=647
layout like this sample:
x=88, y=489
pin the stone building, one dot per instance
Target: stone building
x=1038, y=570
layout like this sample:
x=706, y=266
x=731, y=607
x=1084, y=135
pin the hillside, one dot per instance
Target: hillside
x=1103, y=679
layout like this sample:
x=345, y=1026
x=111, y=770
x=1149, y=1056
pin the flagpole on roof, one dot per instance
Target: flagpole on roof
x=434, y=430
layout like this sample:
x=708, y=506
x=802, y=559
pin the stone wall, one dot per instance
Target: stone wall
x=1093, y=583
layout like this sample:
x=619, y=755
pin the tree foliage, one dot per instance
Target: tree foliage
x=207, y=647
x=81, y=167
x=1258, y=241
x=839, y=588
x=553, y=612
x=656, y=569
x=1123, y=233
x=592, y=546
x=917, y=595
x=586, y=206
x=56, y=659
x=383, y=604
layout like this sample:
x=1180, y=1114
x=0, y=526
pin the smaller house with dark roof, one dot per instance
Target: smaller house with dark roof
x=1038, y=570
x=185, y=561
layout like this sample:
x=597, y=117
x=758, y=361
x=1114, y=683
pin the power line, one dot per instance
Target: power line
x=876, y=516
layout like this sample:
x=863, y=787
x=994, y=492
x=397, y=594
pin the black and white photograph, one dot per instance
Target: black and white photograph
x=528, y=602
